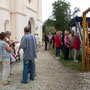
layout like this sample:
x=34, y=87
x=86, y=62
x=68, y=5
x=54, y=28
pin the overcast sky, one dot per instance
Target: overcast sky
x=47, y=6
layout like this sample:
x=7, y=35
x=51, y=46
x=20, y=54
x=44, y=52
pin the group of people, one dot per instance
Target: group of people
x=29, y=42
x=68, y=42
x=49, y=40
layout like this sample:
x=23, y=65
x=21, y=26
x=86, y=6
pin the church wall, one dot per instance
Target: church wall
x=5, y=4
x=31, y=15
x=17, y=14
x=39, y=29
x=4, y=16
x=21, y=22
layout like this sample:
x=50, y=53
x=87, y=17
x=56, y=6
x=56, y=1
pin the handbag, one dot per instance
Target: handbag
x=13, y=58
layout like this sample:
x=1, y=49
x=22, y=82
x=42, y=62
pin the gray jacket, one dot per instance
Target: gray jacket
x=28, y=44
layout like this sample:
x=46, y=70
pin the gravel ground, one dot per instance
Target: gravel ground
x=51, y=75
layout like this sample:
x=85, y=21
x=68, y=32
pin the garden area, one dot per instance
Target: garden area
x=70, y=62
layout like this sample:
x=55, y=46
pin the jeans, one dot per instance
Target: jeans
x=57, y=51
x=25, y=70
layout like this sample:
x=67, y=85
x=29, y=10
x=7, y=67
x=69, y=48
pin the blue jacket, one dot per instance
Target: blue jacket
x=28, y=44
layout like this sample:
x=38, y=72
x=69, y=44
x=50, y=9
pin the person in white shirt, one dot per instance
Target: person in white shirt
x=37, y=42
x=50, y=40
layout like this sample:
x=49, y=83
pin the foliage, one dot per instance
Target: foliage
x=50, y=29
x=75, y=12
x=48, y=26
x=49, y=22
x=61, y=14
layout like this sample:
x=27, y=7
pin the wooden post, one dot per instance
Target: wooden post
x=87, y=50
x=83, y=43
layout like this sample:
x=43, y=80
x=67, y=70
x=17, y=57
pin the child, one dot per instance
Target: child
x=5, y=57
x=76, y=47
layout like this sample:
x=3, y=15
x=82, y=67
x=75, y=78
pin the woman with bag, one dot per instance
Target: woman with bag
x=12, y=54
x=67, y=43
x=5, y=57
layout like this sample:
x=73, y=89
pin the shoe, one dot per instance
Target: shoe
x=76, y=61
x=28, y=71
x=6, y=83
x=35, y=75
x=23, y=82
x=11, y=74
x=32, y=79
x=57, y=58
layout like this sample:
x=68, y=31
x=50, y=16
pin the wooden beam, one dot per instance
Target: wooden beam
x=83, y=43
x=87, y=50
x=85, y=12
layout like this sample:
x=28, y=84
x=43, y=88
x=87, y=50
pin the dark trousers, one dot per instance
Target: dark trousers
x=62, y=48
x=53, y=44
x=45, y=45
x=66, y=53
x=57, y=51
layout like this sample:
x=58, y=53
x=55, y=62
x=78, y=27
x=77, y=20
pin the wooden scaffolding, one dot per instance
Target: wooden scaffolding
x=85, y=44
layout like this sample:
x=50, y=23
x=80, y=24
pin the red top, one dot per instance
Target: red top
x=76, y=44
x=57, y=41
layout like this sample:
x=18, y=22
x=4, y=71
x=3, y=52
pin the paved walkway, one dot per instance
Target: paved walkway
x=51, y=75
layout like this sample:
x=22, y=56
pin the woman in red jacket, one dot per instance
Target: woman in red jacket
x=57, y=44
x=76, y=47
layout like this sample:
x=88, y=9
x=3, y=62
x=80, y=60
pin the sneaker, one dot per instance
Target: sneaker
x=23, y=82
x=11, y=74
x=32, y=79
x=6, y=83
x=57, y=58
x=76, y=61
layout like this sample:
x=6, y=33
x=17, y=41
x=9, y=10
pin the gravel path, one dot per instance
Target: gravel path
x=51, y=75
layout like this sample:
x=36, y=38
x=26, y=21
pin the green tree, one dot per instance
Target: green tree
x=61, y=14
x=48, y=26
x=75, y=12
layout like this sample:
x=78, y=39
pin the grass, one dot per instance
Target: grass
x=70, y=63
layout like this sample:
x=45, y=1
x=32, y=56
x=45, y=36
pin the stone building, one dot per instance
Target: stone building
x=16, y=14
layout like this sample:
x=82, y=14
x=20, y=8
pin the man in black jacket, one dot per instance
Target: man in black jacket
x=46, y=40
x=54, y=34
